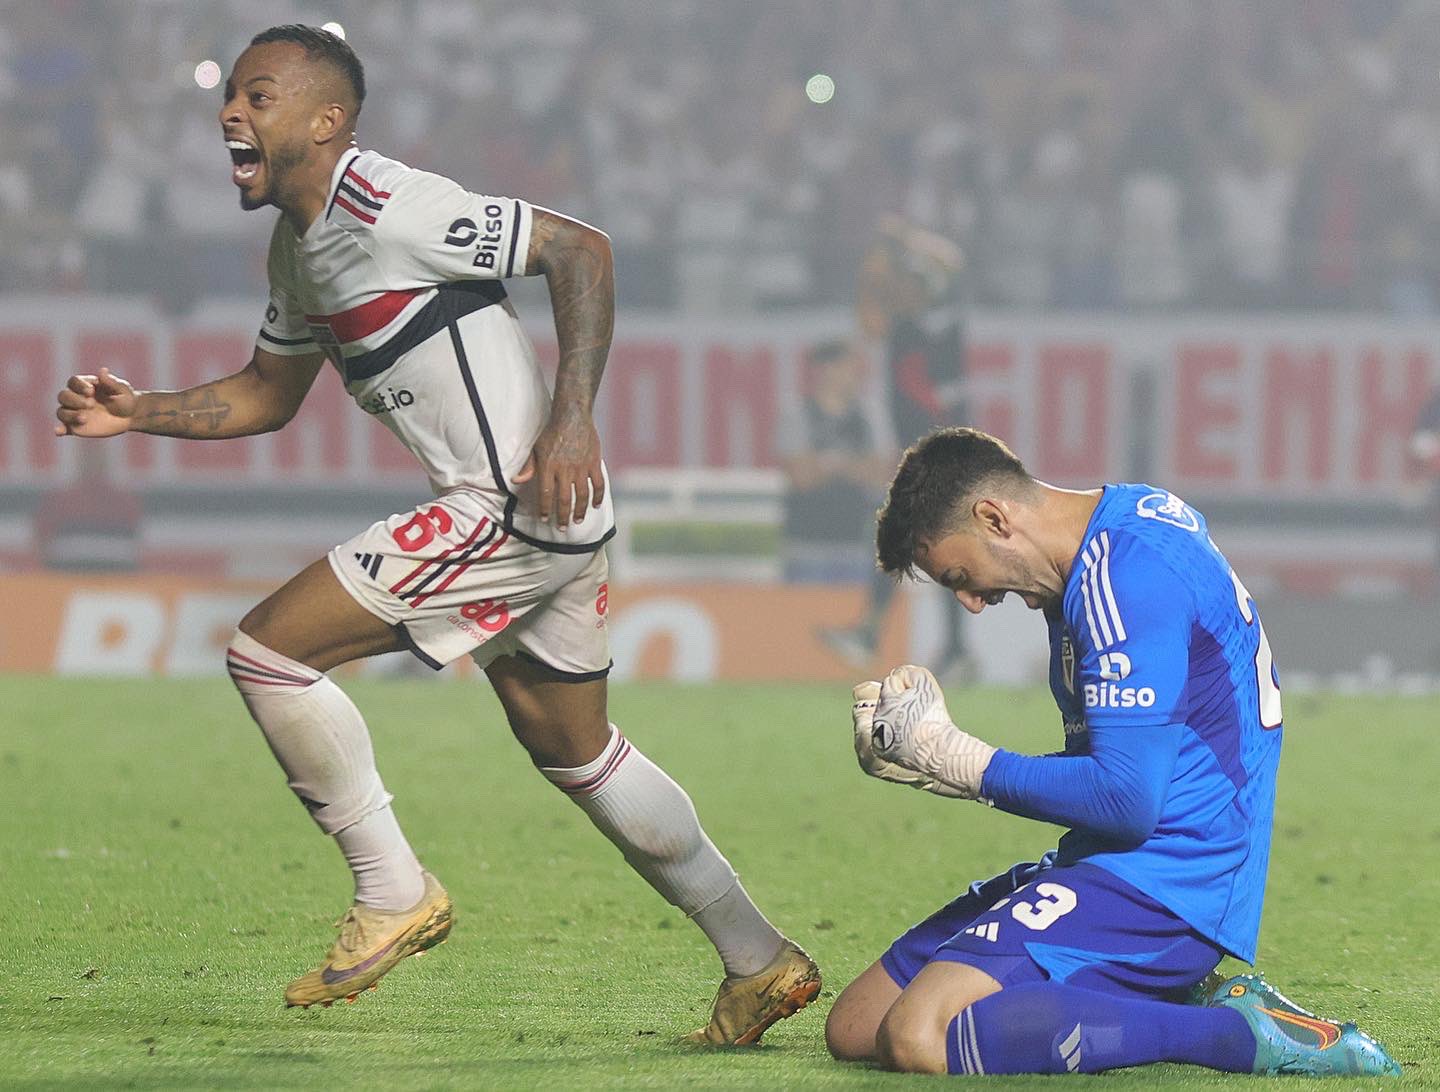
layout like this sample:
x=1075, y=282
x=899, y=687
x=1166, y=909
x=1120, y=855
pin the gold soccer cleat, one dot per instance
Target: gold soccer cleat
x=370, y=943
x=745, y=1007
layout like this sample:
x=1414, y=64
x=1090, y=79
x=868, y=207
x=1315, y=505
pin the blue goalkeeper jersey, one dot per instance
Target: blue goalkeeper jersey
x=1156, y=629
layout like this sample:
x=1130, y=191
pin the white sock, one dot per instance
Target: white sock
x=653, y=823
x=320, y=740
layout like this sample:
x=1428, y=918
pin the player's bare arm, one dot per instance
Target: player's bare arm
x=577, y=265
x=261, y=397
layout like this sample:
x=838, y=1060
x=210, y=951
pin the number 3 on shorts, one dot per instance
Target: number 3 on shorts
x=1055, y=901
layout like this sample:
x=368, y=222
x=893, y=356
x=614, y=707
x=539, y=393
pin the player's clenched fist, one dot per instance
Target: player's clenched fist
x=867, y=697
x=95, y=405
x=911, y=730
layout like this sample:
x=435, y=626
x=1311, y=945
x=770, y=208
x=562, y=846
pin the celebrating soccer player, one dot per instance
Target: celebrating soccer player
x=1171, y=710
x=393, y=275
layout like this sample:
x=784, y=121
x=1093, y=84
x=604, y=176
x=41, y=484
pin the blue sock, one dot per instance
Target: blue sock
x=1047, y=1027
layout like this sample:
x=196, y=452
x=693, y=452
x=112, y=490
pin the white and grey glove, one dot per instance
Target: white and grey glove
x=912, y=736
x=862, y=713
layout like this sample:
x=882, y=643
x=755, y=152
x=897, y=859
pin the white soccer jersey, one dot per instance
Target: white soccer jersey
x=398, y=283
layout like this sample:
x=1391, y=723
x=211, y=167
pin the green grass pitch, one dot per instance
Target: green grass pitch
x=160, y=886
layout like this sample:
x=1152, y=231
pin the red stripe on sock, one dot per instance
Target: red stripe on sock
x=270, y=668
x=594, y=783
x=239, y=676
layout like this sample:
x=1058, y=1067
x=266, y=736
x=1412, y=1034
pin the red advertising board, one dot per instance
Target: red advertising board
x=1270, y=409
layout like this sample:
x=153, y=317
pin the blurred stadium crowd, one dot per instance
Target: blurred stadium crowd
x=1159, y=154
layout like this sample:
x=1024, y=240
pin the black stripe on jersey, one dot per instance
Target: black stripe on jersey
x=374, y=568
x=491, y=453
x=286, y=340
x=514, y=242
x=348, y=164
x=455, y=559
x=364, y=198
x=511, y=500
x=450, y=302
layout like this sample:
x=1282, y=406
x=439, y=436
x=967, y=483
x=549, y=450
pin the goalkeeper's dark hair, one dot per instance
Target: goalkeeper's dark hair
x=321, y=45
x=939, y=478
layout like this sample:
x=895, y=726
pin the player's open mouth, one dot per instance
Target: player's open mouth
x=245, y=158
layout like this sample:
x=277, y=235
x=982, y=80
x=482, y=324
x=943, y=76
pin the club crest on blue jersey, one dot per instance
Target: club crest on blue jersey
x=1168, y=508
x=1067, y=662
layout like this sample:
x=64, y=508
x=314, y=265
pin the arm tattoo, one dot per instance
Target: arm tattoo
x=195, y=413
x=582, y=293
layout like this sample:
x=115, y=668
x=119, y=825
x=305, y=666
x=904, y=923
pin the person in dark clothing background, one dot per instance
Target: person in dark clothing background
x=835, y=467
x=911, y=301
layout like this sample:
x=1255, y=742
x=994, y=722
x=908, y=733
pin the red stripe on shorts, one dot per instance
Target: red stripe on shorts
x=504, y=538
x=420, y=568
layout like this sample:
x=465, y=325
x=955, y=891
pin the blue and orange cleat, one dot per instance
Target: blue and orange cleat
x=1290, y=1040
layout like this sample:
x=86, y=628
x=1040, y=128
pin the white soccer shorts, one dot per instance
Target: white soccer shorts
x=455, y=582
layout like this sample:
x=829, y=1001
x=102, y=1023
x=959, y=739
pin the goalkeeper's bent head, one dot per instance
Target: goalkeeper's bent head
x=940, y=477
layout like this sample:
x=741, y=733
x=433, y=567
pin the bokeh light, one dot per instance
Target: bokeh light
x=334, y=28
x=207, y=74
x=819, y=88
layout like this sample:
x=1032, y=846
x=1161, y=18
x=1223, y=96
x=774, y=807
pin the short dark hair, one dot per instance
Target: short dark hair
x=320, y=44
x=939, y=474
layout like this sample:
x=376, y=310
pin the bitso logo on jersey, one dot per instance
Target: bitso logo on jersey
x=1110, y=696
x=1114, y=666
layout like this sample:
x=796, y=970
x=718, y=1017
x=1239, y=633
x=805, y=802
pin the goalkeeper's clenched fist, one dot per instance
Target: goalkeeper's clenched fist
x=903, y=733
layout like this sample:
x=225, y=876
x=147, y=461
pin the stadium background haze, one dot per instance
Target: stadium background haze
x=1199, y=250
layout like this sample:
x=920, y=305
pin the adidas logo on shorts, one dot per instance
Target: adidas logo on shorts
x=989, y=931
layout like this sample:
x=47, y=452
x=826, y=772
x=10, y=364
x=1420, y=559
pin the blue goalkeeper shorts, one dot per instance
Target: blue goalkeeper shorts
x=1076, y=924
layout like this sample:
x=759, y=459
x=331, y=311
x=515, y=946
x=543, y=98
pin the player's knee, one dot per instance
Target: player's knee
x=257, y=621
x=845, y=1037
x=909, y=1045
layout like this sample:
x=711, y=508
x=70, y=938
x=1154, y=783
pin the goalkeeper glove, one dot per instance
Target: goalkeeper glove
x=862, y=713
x=912, y=739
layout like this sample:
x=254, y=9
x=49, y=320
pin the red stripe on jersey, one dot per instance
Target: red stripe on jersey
x=371, y=190
x=353, y=211
x=364, y=320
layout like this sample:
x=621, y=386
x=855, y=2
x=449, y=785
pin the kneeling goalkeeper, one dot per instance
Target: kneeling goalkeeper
x=1171, y=709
